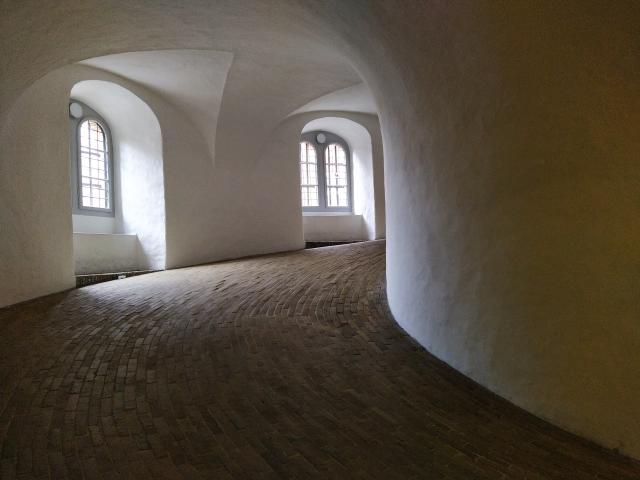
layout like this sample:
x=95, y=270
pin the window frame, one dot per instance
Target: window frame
x=321, y=171
x=300, y=164
x=76, y=124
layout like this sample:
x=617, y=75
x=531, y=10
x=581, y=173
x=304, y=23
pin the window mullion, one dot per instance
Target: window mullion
x=322, y=181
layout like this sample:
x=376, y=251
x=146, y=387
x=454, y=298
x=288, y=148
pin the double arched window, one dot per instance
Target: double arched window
x=325, y=173
x=93, y=163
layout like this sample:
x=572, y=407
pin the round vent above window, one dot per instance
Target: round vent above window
x=321, y=138
x=75, y=110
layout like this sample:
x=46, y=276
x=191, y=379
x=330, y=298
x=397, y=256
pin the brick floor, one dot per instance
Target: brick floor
x=283, y=366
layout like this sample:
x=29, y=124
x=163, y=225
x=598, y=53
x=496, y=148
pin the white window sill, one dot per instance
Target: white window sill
x=330, y=214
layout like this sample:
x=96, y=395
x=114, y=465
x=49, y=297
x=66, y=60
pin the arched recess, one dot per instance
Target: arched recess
x=364, y=223
x=36, y=217
x=280, y=159
x=139, y=182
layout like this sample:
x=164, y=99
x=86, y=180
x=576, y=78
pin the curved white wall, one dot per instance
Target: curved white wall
x=512, y=196
x=36, y=250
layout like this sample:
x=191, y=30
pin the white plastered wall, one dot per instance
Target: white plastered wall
x=36, y=249
x=333, y=228
x=107, y=253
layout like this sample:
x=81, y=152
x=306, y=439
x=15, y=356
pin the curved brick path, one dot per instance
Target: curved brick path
x=283, y=366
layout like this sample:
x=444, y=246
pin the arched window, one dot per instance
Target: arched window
x=94, y=167
x=93, y=163
x=325, y=173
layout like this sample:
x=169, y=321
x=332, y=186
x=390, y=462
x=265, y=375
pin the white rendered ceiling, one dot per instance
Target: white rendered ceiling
x=192, y=80
x=356, y=98
x=280, y=61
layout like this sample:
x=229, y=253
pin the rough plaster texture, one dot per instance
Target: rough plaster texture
x=106, y=253
x=35, y=211
x=512, y=191
x=511, y=147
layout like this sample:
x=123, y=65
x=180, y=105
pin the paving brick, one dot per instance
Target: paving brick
x=280, y=366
